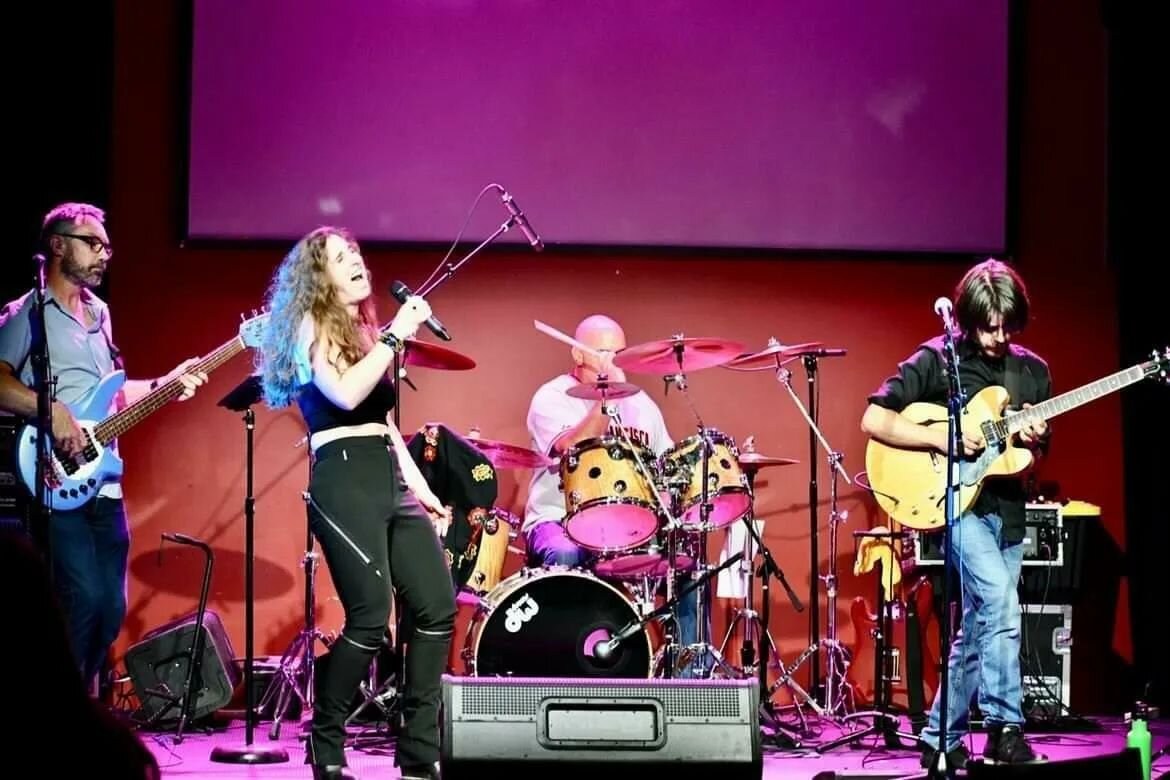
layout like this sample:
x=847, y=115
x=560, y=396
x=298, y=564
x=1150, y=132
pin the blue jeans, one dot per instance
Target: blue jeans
x=548, y=544
x=985, y=653
x=89, y=547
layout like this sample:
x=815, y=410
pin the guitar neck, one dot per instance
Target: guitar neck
x=117, y=424
x=1066, y=402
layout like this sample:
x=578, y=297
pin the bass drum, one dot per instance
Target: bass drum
x=548, y=622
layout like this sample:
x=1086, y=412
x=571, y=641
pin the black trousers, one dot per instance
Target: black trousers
x=376, y=538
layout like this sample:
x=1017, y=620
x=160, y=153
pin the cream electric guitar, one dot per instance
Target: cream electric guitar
x=910, y=484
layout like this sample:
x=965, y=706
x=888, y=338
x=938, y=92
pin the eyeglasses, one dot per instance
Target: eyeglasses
x=95, y=243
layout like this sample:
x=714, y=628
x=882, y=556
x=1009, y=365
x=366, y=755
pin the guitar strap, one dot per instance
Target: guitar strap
x=1011, y=379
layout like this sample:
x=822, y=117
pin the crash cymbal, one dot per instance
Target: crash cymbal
x=755, y=460
x=422, y=354
x=510, y=456
x=597, y=391
x=772, y=356
x=677, y=354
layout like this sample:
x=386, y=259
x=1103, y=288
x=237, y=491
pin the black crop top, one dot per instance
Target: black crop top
x=320, y=413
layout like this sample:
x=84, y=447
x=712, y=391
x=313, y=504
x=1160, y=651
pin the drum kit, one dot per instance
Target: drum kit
x=644, y=519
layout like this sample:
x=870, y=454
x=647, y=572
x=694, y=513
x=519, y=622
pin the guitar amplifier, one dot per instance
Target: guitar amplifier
x=1044, y=539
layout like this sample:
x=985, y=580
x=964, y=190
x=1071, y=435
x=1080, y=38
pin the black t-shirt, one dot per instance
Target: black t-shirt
x=922, y=378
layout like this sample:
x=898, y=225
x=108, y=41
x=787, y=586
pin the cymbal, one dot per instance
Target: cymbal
x=422, y=354
x=510, y=456
x=668, y=356
x=772, y=355
x=755, y=460
x=597, y=391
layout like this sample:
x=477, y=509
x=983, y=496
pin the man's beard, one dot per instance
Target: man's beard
x=81, y=275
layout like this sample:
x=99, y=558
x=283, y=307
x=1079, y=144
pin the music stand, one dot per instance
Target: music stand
x=241, y=399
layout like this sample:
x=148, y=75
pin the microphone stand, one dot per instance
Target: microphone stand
x=955, y=402
x=451, y=269
x=39, y=354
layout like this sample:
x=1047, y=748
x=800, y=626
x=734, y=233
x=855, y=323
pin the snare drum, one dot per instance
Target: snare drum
x=548, y=622
x=609, y=498
x=727, y=485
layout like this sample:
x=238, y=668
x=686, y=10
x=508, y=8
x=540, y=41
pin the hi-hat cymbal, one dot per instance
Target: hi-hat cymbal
x=510, y=456
x=754, y=460
x=422, y=354
x=668, y=356
x=773, y=355
x=598, y=391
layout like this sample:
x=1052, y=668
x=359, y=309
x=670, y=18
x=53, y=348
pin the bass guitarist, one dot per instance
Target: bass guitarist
x=88, y=546
x=991, y=305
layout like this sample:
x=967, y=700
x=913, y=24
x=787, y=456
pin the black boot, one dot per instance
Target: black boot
x=331, y=772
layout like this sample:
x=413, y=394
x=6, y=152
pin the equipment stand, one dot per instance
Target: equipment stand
x=295, y=674
x=249, y=753
x=884, y=723
x=837, y=657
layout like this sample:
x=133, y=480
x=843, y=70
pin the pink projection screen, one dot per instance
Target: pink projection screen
x=835, y=125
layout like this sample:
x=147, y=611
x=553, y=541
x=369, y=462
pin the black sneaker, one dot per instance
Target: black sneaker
x=957, y=757
x=1006, y=745
x=421, y=772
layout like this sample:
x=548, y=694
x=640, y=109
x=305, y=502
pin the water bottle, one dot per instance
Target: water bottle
x=1139, y=737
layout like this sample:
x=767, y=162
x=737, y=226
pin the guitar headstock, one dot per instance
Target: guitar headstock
x=1159, y=366
x=252, y=328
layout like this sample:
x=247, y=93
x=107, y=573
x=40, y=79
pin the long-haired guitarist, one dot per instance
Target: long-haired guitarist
x=88, y=545
x=991, y=305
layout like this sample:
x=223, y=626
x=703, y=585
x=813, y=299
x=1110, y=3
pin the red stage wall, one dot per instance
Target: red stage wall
x=186, y=463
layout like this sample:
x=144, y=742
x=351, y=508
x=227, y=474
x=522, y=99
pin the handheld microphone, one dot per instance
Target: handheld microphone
x=401, y=292
x=522, y=221
x=606, y=648
x=943, y=308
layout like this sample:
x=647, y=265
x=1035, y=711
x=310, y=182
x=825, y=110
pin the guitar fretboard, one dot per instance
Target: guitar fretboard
x=117, y=424
x=1073, y=398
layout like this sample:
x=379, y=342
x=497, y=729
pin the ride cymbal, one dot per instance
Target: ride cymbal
x=676, y=354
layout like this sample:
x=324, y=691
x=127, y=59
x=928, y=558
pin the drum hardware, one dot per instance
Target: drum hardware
x=775, y=356
x=753, y=621
x=607, y=648
x=673, y=358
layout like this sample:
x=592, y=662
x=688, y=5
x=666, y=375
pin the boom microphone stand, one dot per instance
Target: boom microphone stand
x=956, y=400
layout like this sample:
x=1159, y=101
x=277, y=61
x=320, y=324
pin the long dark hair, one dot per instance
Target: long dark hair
x=991, y=288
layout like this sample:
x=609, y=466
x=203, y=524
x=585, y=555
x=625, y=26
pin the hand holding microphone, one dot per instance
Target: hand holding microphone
x=415, y=311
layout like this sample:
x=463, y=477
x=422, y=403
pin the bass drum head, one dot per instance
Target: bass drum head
x=548, y=623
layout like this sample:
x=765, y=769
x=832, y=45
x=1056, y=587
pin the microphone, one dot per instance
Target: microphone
x=522, y=221
x=943, y=308
x=606, y=648
x=401, y=292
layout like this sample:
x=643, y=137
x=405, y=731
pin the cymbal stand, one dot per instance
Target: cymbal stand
x=702, y=648
x=837, y=657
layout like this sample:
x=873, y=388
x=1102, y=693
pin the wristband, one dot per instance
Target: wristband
x=392, y=341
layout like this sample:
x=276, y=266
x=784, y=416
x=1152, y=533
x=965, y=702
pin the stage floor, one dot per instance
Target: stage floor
x=374, y=759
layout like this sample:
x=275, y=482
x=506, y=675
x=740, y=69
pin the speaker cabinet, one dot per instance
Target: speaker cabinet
x=621, y=727
x=159, y=663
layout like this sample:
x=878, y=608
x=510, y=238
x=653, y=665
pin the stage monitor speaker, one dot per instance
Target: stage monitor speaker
x=159, y=662
x=1126, y=765
x=617, y=727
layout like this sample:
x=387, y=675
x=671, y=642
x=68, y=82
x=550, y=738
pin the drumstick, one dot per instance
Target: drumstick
x=572, y=342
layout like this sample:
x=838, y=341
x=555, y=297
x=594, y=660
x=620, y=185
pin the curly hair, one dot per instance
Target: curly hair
x=301, y=286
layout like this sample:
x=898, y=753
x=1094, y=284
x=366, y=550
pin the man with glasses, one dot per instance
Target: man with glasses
x=89, y=546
